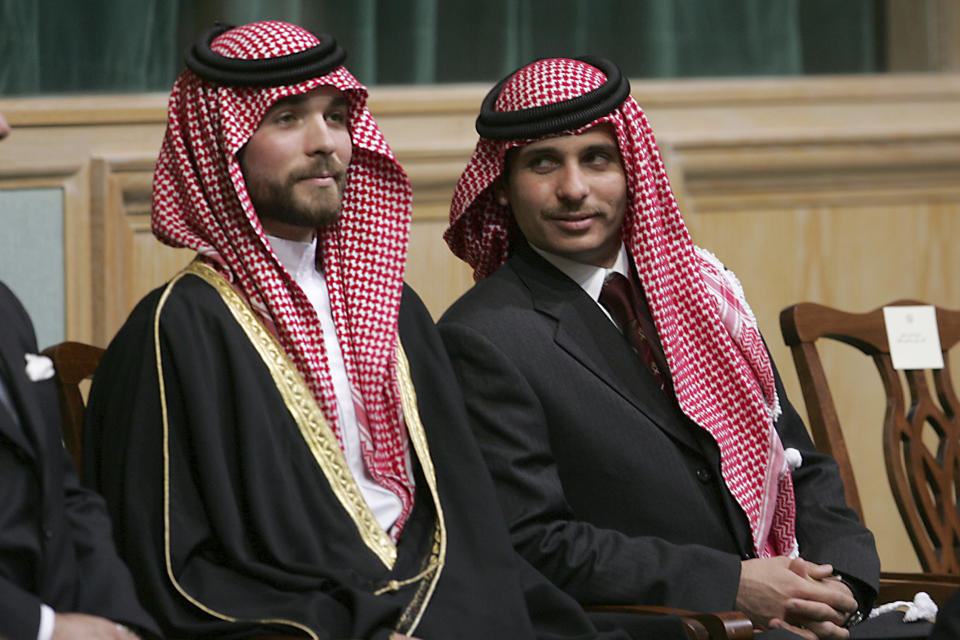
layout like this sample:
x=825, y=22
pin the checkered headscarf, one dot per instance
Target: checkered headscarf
x=200, y=201
x=721, y=371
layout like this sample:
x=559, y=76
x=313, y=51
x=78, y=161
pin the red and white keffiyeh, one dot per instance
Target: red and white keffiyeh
x=200, y=201
x=722, y=374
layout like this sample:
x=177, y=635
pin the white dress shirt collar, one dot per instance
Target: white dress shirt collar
x=299, y=258
x=589, y=277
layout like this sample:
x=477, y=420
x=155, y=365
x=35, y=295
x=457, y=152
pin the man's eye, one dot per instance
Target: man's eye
x=542, y=164
x=285, y=118
x=339, y=116
x=598, y=159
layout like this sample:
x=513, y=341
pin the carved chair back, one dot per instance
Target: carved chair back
x=923, y=472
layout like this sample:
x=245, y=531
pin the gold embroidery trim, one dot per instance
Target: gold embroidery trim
x=166, y=483
x=307, y=414
x=325, y=448
x=418, y=437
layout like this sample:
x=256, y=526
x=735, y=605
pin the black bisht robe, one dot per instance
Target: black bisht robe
x=231, y=527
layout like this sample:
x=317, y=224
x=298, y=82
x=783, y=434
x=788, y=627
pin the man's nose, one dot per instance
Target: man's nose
x=319, y=137
x=573, y=185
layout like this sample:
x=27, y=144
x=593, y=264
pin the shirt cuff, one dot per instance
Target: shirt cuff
x=47, y=621
x=863, y=594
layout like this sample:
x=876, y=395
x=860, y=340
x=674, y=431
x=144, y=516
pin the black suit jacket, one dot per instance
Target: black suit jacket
x=608, y=488
x=55, y=540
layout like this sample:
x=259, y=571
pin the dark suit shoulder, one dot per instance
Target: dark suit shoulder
x=13, y=314
x=503, y=292
x=11, y=304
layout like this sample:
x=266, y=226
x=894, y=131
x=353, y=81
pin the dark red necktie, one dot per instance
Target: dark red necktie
x=628, y=308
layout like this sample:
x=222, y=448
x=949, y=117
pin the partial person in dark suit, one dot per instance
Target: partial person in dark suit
x=947, y=626
x=641, y=441
x=60, y=576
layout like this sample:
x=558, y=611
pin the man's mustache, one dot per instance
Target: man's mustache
x=321, y=168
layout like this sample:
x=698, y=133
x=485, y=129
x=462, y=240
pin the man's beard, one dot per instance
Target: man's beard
x=312, y=207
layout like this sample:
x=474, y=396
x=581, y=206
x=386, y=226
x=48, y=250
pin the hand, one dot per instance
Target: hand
x=80, y=626
x=397, y=636
x=796, y=593
x=817, y=616
x=776, y=623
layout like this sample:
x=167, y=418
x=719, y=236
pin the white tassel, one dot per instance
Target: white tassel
x=794, y=458
x=922, y=608
x=38, y=367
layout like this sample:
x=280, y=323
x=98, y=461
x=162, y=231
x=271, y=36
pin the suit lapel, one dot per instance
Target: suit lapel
x=18, y=386
x=588, y=336
x=11, y=429
x=11, y=424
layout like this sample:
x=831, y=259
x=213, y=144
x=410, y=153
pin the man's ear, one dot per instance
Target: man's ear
x=240, y=155
x=500, y=191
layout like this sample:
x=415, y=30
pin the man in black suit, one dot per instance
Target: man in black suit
x=60, y=576
x=948, y=620
x=642, y=444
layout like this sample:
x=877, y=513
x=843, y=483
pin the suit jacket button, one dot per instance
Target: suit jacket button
x=48, y=533
x=704, y=475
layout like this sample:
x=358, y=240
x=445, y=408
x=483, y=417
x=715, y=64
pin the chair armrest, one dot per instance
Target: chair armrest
x=726, y=625
x=904, y=586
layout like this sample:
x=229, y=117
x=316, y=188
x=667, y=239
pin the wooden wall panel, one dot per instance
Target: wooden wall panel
x=839, y=190
x=129, y=260
x=74, y=182
x=432, y=270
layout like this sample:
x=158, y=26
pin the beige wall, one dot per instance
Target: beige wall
x=839, y=190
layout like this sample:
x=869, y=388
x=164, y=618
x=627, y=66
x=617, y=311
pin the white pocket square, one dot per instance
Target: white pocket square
x=39, y=367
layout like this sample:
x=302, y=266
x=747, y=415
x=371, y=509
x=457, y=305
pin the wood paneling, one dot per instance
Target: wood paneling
x=839, y=190
x=74, y=182
x=923, y=35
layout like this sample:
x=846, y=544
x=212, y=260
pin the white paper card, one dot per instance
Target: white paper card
x=914, y=338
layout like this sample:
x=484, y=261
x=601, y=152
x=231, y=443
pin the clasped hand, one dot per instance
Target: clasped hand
x=74, y=626
x=797, y=595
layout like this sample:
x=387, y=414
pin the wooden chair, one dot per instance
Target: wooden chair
x=728, y=625
x=924, y=483
x=75, y=362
